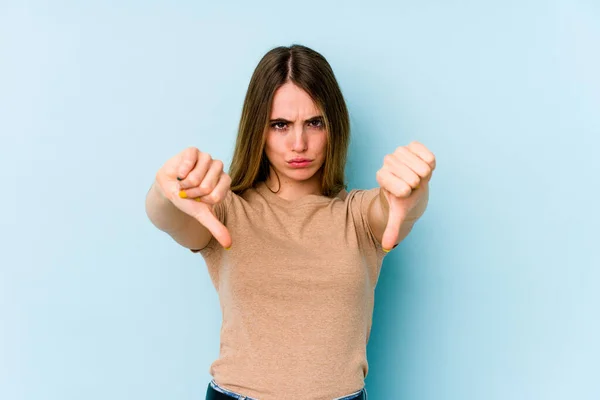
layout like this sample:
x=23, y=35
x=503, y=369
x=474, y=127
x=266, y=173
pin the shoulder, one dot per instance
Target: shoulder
x=361, y=198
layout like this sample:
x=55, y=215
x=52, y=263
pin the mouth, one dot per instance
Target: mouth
x=299, y=162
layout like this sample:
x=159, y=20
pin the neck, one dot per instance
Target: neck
x=290, y=189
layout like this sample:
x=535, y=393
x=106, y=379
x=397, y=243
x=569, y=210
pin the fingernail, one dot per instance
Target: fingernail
x=386, y=250
x=179, y=179
x=197, y=199
x=183, y=194
x=227, y=248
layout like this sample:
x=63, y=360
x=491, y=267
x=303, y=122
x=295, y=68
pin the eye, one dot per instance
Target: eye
x=316, y=123
x=279, y=125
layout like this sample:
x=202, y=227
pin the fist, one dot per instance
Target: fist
x=194, y=183
x=405, y=169
x=401, y=178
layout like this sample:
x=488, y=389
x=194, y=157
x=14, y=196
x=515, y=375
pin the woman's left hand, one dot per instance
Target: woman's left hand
x=403, y=179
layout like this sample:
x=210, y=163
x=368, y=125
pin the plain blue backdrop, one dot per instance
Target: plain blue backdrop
x=494, y=295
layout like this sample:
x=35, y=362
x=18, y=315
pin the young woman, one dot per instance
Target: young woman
x=293, y=256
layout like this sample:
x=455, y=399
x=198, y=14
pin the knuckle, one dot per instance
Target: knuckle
x=203, y=157
x=193, y=180
x=205, y=200
x=214, y=197
x=205, y=186
x=218, y=164
x=401, y=150
x=186, y=162
x=190, y=152
x=425, y=172
x=404, y=190
x=226, y=181
x=428, y=157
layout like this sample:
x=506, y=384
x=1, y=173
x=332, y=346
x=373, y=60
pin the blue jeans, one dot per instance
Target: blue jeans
x=216, y=392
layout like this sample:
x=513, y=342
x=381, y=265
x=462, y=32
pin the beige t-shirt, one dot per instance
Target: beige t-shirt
x=296, y=291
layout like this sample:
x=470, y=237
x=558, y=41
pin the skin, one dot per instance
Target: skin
x=181, y=200
x=403, y=178
x=403, y=193
x=296, y=129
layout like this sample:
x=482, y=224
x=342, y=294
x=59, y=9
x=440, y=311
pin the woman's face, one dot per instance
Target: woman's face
x=296, y=136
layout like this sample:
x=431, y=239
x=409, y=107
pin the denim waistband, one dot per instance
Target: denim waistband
x=238, y=396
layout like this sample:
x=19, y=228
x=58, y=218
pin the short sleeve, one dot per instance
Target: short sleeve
x=220, y=211
x=358, y=203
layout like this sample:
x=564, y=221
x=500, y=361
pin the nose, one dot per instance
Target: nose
x=299, y=138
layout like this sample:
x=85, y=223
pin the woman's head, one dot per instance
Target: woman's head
x=293, y=109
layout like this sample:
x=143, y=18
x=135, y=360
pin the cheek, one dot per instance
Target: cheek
x=273, y=148
x=320, y=143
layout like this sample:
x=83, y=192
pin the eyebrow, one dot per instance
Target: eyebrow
x=287, y=121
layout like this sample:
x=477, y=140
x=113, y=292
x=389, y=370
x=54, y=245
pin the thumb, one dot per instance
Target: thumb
x=395, y=217
x=205, y=216
x=203, y=213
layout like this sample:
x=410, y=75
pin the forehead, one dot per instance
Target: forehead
x=291, y=102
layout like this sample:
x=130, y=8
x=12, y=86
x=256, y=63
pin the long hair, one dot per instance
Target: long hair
x=310, y=71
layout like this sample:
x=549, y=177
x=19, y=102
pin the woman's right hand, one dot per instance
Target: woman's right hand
x=194, y=183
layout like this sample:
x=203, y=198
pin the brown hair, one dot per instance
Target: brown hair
x=310, y=71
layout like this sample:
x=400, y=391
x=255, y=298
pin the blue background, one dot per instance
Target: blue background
x=494, y=295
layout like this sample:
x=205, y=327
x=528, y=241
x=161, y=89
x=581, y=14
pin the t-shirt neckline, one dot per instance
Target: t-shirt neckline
x=262, y=188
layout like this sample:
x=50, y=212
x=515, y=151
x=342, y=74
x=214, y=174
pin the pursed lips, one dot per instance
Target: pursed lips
x=299, y=160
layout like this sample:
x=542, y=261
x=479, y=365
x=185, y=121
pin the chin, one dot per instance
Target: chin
x=301, y=174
